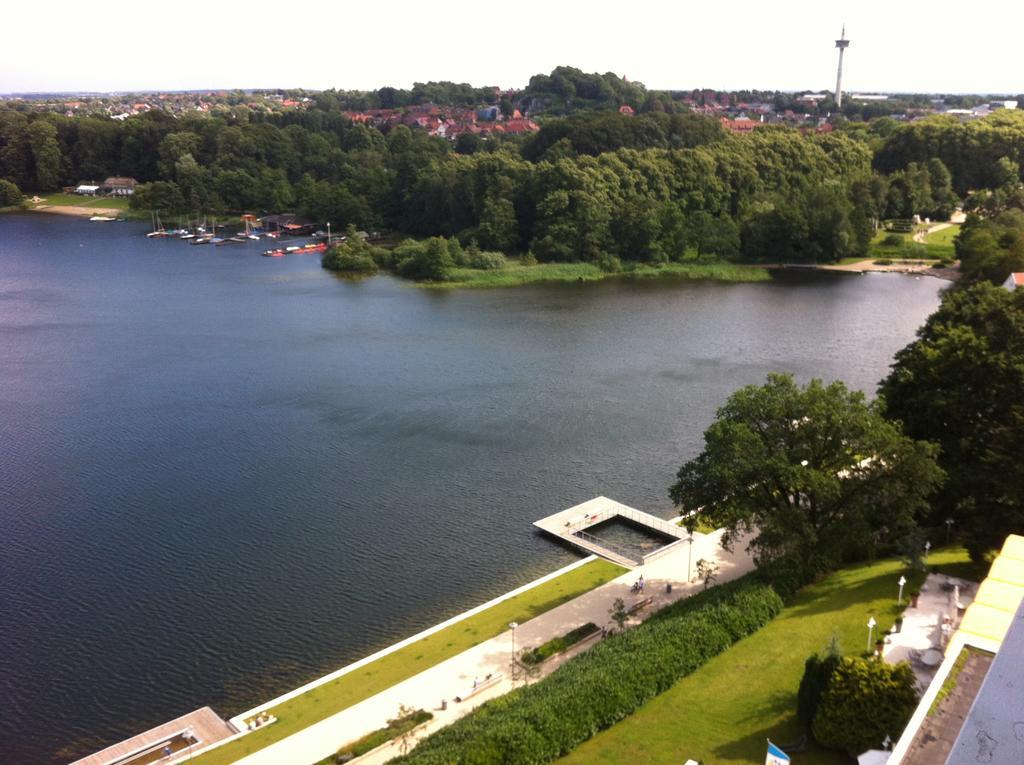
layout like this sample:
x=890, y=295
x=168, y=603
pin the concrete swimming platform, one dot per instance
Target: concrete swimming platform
x=165, y=743
x=574, y=525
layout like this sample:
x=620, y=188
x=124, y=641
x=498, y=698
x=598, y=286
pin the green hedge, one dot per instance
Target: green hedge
x=559, y=644
x=539, y=723
x=371, y=741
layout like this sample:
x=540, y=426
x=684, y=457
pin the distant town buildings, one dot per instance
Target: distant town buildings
x=448, y=121
x=500, y=114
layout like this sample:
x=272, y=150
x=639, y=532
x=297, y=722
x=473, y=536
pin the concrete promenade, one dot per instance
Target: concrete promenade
x=456, y=676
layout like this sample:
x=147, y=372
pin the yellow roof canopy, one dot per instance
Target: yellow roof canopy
x=986, y=622
x=1009, y=570
x=1000, y=595
x=1013, y=547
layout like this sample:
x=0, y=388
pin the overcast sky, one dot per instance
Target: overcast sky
x=782, y=44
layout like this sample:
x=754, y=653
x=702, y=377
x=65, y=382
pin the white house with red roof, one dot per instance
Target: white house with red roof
x=1014, y=281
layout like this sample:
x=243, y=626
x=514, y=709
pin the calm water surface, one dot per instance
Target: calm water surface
x=222, y=475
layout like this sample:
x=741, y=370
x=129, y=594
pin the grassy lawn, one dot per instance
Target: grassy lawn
x=943, y=237
x=515, y=274
x=330, y=698
x=723, y=712
x=935, y=246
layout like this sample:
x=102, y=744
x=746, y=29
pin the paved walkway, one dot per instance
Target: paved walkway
x=455, y=677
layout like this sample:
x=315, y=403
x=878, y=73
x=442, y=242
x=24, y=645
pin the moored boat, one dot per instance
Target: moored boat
x=294, y=249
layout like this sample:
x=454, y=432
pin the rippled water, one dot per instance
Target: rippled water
x=222, y=475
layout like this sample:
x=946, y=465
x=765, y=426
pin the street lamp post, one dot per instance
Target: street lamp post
x=328, y=233
x=190, y=736
x=689, y=557
x=927, y=547
x=513, y=626
x=949, y=528
x=871, y=629
x=903, y=581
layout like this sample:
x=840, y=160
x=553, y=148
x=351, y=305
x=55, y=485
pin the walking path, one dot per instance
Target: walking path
x=457, y=675
x=921, y=235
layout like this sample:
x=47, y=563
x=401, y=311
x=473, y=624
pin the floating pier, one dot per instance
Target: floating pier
x=572, y=526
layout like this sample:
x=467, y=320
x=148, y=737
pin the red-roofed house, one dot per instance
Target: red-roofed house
x=627, y=110
x=519, y=126
x=1014, y=281
x=741, y=125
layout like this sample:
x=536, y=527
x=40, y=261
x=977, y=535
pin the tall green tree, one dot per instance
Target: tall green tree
x=42, y=136
x=814, y=473
x=959, y=385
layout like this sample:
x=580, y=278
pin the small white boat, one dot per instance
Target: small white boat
x=102, y=218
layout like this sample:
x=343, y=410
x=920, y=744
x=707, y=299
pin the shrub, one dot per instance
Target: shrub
x=487, y=261
x=529, y=259
x=429, y=260
x=892, y=240
x=10, y=194
x=345, y=260
x=398, y=726
x=883, y=262
x=457, y=254
x=609, y=263
x=354, y=255
x=559, y=644
x=865, y=701
x=817, y=671
x=914, y=250
x=538, y=723
x=383, y=257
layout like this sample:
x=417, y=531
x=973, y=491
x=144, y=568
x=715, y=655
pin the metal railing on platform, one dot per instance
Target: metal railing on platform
x=644, y=519
x=619, y=550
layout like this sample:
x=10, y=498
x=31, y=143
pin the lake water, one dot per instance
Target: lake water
x=222, y=475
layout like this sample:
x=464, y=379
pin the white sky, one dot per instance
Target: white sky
x=897, y=45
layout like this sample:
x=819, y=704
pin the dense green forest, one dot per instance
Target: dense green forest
x=593, y=185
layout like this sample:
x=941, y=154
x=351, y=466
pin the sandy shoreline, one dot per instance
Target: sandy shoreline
x=81, y=212
x=917, y=267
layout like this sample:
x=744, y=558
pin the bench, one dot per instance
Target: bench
x=639, y=606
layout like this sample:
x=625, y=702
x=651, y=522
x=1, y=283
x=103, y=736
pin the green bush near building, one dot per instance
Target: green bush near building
x=865, y=701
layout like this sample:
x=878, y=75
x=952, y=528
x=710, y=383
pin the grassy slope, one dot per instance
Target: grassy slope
x=936, y=245
x=515, y=274
x=76, y=200
x=944, y=236
x=723, y=712
x=375, y=677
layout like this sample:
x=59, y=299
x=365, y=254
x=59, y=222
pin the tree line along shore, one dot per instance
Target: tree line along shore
x=618, y=191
